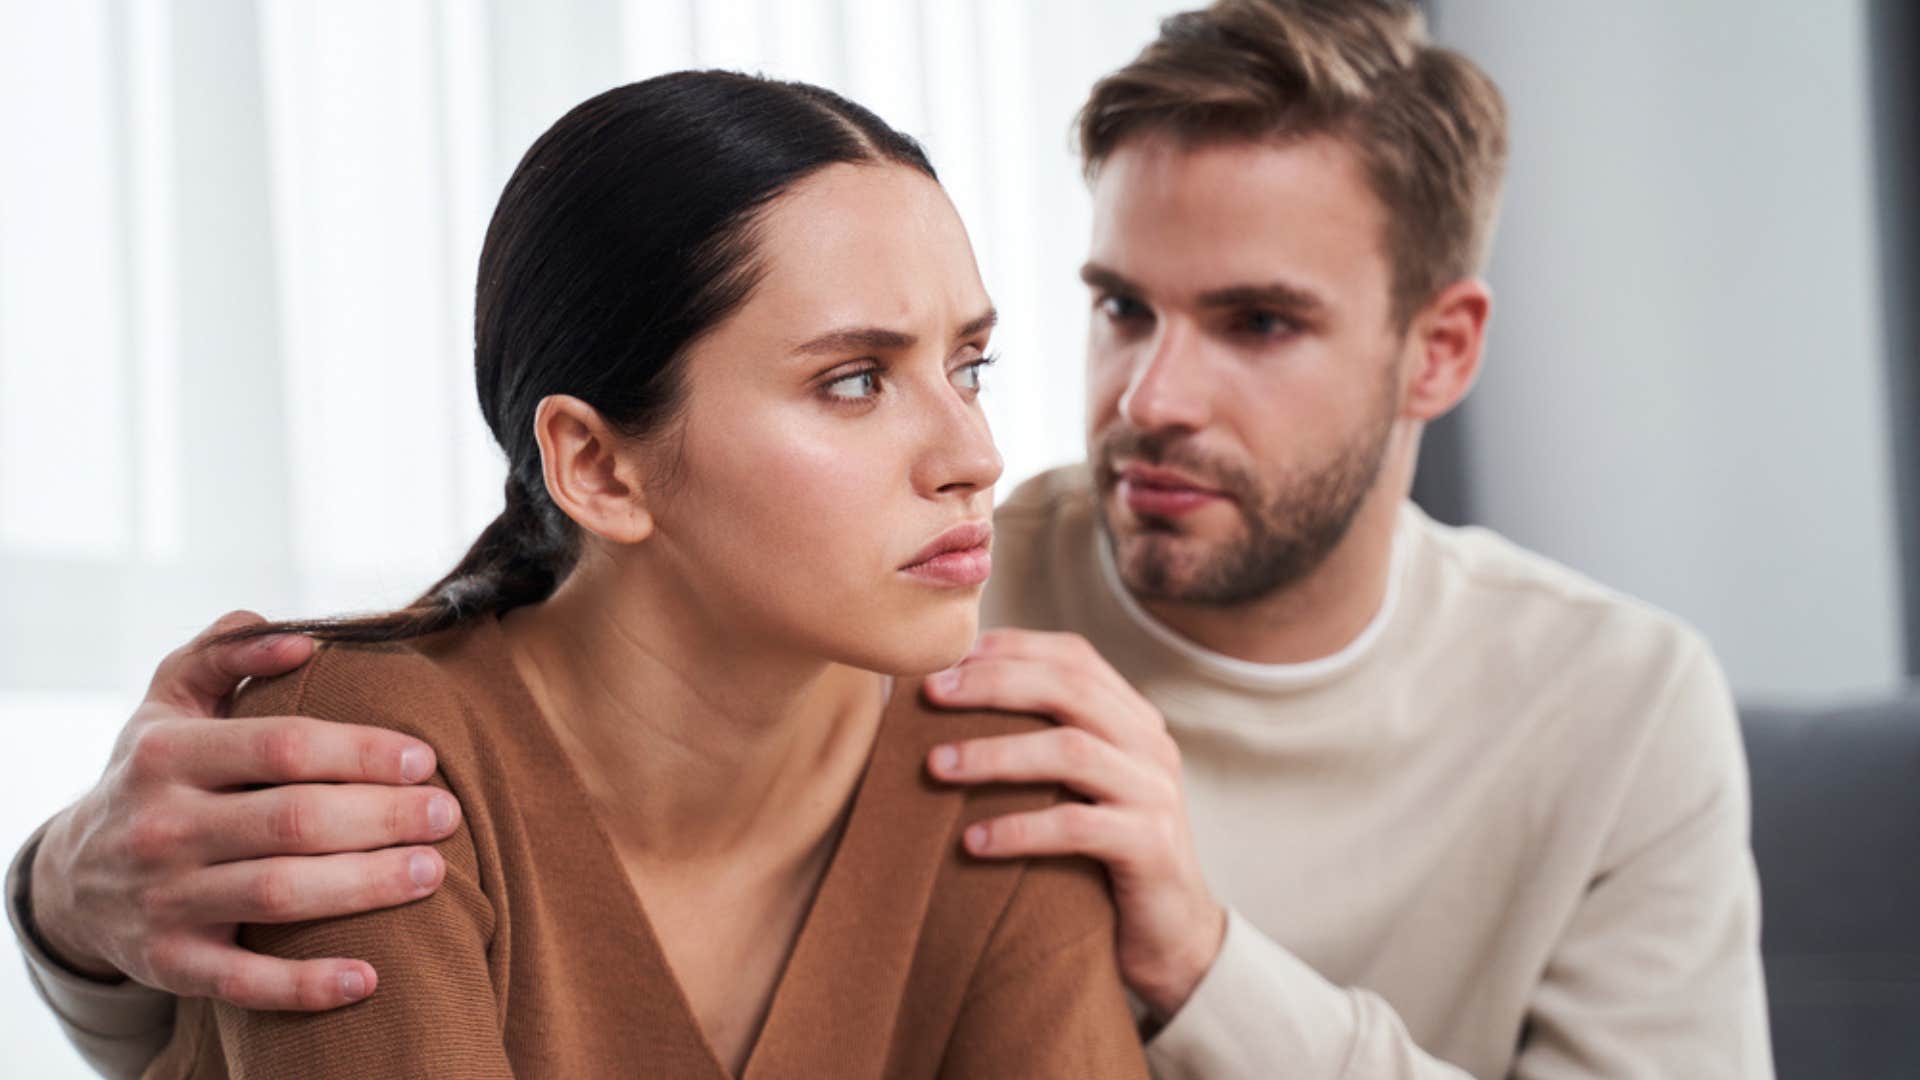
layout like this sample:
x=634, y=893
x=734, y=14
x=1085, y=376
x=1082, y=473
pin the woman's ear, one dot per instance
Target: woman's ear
x=1448, y=336
x=593, y=473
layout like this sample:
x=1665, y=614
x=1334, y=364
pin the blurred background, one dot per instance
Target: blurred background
x=238, y=237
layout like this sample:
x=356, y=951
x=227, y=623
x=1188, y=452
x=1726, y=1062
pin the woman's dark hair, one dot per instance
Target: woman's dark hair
x=623, y=236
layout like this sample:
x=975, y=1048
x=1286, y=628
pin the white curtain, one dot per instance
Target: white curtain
x=237, y=247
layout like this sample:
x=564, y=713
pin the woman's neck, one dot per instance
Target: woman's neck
x=692, y=745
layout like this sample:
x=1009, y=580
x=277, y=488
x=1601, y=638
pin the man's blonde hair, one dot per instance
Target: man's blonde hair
x=1429, y=126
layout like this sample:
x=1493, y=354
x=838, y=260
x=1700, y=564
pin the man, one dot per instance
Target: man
x=1378, y=798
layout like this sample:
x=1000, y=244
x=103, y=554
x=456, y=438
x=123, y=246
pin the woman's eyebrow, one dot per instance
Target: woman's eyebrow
x=978, y=325
x=851, y=339
x=880, y=339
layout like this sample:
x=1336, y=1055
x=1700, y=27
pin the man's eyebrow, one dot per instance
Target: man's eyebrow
x=1099, y=277
x=1275, y=294
x=1287, y=297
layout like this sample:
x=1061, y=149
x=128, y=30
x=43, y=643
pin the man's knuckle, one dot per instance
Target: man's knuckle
x=1078, y=749
x=1009, y=832
x=289, y=824
x=272, y=895
x=400, y=816
x=152, y=836
x=1076, y=823
x=150, y=751
x=235, y=986
x=164, y=958
x=368, y=752
x=311, y=991
x=156, y=905
x=283, y=750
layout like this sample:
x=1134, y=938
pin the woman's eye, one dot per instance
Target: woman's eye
x=855, y=387
x=967, y=376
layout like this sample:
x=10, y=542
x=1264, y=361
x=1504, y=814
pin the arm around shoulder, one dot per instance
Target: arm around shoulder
x=117, y=1027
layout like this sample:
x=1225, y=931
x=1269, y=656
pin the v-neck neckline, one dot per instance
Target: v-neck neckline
x=774, y=1028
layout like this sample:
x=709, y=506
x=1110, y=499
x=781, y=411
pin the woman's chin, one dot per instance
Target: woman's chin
x=928, y=646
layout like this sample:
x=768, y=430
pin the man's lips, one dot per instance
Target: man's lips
x=1154, y=491
x=960, y=556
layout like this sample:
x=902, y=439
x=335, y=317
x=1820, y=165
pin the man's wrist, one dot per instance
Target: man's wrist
x=35, y=900
x=1165, y=993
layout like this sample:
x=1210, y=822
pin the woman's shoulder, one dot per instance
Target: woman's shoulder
x=994, y=932
x=425, y=687
x=914, y=729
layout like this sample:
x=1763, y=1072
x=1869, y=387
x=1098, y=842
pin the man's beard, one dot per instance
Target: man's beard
x=1292, y=522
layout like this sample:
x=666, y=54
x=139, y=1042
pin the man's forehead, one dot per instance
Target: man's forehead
x=1203, y=217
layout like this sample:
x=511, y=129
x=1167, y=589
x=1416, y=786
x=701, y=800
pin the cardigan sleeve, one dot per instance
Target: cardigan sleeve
x=433, y=1011
x=1046, y=999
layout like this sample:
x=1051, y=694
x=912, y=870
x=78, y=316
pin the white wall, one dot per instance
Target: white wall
x=1683, y=395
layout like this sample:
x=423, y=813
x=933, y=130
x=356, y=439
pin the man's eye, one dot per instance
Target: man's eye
x=1266, y=324
x=1120, y=308
x=855, y=387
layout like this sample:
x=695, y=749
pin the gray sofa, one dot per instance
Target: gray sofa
x=1836, y=833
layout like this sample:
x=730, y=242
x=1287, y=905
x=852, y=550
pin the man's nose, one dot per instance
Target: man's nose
x=1170, y=388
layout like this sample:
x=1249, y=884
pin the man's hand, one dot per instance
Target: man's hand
x=150, y=872
x=1111, y=746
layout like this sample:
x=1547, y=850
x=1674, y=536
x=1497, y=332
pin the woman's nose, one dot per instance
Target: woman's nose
x=960, y=457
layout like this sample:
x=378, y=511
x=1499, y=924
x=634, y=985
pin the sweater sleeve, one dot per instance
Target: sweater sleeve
x=1046, y=1000
x=117, y=1027
x=1260, y=1008
x=1659, y=972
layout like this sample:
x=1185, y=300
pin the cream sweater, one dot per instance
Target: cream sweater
x=1502, y=833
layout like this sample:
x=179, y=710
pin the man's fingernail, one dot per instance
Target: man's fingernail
x=977, y=838
x=945, y=681
x=440, y=813
x=415, y=764
x=353, y=985
x=946, y=759
x=420, y=869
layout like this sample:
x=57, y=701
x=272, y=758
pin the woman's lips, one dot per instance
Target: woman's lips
x=1158, y=493
x=967, y=566
x=958, y=557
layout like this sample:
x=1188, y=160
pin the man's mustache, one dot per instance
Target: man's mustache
x=1169, y=451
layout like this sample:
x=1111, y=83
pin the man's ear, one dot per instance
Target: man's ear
x=1447, y=337
x=593, y=473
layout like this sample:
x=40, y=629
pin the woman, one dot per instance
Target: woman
x=729, y=333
